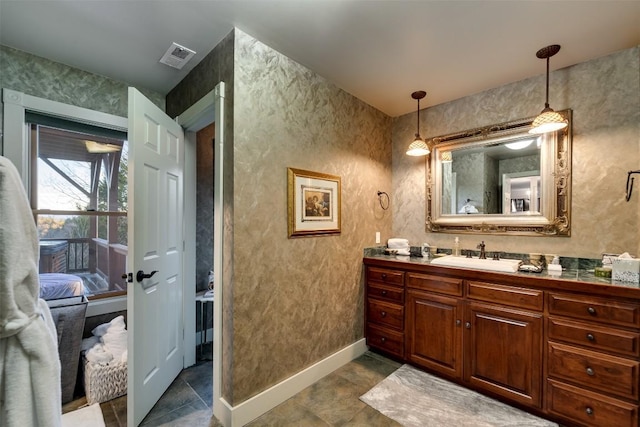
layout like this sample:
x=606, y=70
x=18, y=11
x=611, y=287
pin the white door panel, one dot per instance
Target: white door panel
x=155, y=207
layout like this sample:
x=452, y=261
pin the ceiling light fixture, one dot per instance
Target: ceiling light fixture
x=519, y=145
x=548, y=120
x=418, y=147
x=101, y=147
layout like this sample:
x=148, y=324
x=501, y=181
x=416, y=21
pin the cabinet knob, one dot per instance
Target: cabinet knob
x=383, y=292
x=589, y=410
x=384, y=276
x=458, y=322
x=592, y=311
x=467, y=325
x=383, y=313
x=383, y=339
x=590, y=337
x=590, y=372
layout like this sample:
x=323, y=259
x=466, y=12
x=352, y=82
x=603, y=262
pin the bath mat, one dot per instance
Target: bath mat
x=89, y=416
x=414, y=398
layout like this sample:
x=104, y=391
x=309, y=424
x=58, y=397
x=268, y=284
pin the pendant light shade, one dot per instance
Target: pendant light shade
x=418, y=147
x=548, y=120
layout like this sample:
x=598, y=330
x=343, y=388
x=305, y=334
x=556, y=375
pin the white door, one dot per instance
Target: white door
x=155, y=215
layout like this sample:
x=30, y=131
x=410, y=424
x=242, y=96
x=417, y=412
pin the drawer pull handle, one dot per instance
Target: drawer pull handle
x=590, y=337
x=383, y=292
x=589, y=410
x=383, y=340
x=590, y=372
x=467, y=325
x=383, y=313
x=592, y=311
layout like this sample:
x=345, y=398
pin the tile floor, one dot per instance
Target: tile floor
x=332, y=401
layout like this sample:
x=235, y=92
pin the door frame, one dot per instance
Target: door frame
x=208, y=109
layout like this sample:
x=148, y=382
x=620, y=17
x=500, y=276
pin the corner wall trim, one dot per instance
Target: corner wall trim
x=247, y=411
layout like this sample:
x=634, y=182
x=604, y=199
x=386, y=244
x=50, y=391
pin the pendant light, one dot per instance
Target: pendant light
x=418, y=147
x=548, y=120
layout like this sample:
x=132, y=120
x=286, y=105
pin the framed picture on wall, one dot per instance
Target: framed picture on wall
x=313, y=203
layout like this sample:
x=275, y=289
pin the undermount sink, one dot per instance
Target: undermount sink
x=503, y=265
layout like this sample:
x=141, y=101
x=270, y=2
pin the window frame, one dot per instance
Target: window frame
x=16, y=131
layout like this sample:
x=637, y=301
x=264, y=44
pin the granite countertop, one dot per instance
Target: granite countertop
x=585, y=275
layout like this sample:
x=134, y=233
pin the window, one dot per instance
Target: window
x=79, y=201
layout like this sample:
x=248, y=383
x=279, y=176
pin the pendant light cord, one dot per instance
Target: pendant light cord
x=546, y=104
x=418, y=122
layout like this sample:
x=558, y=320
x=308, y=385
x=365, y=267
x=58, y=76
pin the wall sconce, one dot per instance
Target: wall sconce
x=418, y=147
x=548, y=120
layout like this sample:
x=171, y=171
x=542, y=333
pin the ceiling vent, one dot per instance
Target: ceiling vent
x=176, y=56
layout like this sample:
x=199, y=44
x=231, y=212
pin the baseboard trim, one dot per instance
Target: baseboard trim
x=249, y=410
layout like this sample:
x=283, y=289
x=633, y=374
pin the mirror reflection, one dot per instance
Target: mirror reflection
x=500, y=179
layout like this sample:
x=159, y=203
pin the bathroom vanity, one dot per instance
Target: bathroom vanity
x=564, y=347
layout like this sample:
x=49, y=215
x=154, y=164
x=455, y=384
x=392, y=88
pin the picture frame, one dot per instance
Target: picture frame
x=313, y=203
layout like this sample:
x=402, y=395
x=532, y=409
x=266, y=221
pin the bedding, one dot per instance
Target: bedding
x=60, y=285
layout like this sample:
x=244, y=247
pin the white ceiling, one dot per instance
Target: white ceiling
x=379, y=51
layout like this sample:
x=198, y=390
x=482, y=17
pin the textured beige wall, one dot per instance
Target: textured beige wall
x=297, y=301
x=604, y=95
x=54, y=81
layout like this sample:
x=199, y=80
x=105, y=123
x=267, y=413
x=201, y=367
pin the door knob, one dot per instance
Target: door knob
x=140, y=275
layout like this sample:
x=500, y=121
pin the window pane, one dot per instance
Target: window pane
x=82, y=177
x=68, y=254
x=74, y=171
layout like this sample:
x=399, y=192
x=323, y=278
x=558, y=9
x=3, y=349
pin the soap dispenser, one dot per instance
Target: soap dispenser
x=456, y=247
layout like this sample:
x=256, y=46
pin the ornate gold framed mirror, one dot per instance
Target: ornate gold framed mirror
x=500, y=179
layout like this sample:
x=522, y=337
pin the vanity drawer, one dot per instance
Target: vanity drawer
x=595, y=337
x=529, y=299
x=384, y=275
x=596, y=309
x=385, y=340
x=441, y=285
x=386, y=292
x=598, y=371
x=385, y=314
x=589, y=409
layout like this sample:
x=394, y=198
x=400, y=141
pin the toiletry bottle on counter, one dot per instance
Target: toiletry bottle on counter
x=456, y=247
x=425, y=250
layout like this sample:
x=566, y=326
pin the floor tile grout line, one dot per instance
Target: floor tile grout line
x=198, y=394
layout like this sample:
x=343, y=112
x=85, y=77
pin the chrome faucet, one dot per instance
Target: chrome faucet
x=482, y=255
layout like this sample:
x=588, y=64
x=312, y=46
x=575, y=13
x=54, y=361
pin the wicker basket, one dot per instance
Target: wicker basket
x=104, y=382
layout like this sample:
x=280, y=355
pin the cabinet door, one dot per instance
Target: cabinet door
x=434, y=332
x=503, y=352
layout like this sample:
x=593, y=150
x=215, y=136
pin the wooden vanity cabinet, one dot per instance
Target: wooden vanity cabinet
x=593, y=365
x=384, y=310
x=504, y=341
x=434, y=323
x=503, y=352
x=569, y=351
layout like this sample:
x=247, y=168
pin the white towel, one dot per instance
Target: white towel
x=398, y=243
x=115, y=343
x=116, y=324
x=109, y=342
x=30, y=390
x=98, y=354
x=87, y=343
